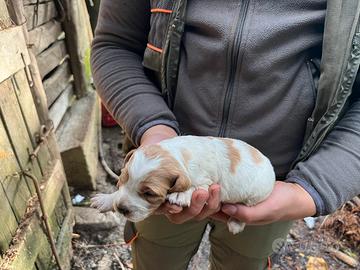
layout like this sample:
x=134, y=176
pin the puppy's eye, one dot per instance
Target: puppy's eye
x=149, y=193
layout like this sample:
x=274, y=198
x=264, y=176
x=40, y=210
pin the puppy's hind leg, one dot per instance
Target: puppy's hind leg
x=181, y=198
x=235, y=226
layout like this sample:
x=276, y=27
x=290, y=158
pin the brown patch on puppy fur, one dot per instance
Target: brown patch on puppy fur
x=153, y=191
x=155, y=151
x=124, y=176
x=186, y=155
x=168, y=178
x=233, y=154
x=256, y=155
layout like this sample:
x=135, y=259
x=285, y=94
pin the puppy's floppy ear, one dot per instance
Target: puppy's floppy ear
x=180, y=183
x=124, y=176
x=153, y=192
x=128, y=156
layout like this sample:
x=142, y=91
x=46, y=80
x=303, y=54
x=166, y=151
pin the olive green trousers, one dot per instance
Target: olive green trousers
x=161, y=245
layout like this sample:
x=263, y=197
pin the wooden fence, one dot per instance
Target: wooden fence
x=29, y=154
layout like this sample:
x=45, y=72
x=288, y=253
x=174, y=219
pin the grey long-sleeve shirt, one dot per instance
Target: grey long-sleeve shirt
x=267, y=75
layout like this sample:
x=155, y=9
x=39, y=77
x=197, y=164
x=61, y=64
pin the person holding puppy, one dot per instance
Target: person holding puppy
x=247, y=70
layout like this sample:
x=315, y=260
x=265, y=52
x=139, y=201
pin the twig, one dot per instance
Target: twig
x=75, y=236
x=102, y=246
x=343, y=257
x=323, y=222
x=119, y=261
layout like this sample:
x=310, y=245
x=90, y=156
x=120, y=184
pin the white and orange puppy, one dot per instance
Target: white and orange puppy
x=172, y=169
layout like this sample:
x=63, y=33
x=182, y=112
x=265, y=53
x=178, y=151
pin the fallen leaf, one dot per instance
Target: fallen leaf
x=315, y=263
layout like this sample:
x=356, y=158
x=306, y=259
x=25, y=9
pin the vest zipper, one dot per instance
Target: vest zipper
x=234, y=56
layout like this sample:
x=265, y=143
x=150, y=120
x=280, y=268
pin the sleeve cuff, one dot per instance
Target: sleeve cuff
x=141, y=130
x=319, y=203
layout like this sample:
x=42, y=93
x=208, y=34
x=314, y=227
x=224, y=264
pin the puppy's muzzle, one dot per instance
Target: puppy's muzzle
x=122, y=209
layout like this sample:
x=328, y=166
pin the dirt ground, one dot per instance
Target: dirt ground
x=100, y=247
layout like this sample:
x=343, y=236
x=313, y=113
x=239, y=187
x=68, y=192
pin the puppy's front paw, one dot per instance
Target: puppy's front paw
x=181, y=198
x=102, y=202
x=235, y=226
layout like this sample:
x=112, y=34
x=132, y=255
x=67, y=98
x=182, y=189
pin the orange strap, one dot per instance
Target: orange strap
x=132, y=239
x=269, y=263
x=152, y=47
x=161, y=10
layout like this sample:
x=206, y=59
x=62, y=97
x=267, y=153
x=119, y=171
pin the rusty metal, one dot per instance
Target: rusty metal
x=27, y=72
x=44, y=217
x=41, y=138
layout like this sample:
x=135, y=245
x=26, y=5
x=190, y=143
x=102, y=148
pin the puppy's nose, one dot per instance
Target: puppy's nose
x=123, y=210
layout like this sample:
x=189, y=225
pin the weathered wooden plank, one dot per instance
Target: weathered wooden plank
x=59, y=108
x=5, y=20
x=17, y=16
x=14, y=122
x=66, y=195
x=5, y=236
x=78, y=39
x=63, y=244
x=37, y=15
x=8, y=222
x=32, y=237
x=37, y=90
x=17, y=130
x=13, y=52
x=31, y=119
x=45, y=258
x=14, y=7
x=57, y=82
x=51, y=58
x=42, y=37
x=13, y=189
x=60, y=211
x=34, y=2
x=77, y=137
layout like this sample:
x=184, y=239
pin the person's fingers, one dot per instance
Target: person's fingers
x=167, y=208
x=213, y=203
x=198, y=201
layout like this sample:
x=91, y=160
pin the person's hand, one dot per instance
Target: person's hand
x=204, y=203
x=288, y=201
x=156, y=134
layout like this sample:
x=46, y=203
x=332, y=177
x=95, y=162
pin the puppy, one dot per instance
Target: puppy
x=172, y=169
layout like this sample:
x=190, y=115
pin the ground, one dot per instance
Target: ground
x=98, y=242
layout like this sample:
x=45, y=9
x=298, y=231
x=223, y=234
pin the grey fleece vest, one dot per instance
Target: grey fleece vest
x=339, y=63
